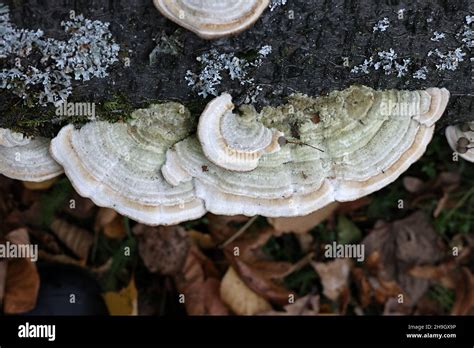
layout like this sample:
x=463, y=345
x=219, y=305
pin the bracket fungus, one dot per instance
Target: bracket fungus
x=234, y=142
x=345, y=145
x=118, y=165
x=26, y=159
x=461, y=140
x=211, y=19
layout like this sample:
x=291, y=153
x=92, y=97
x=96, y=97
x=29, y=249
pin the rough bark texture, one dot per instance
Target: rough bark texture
x=307, y=51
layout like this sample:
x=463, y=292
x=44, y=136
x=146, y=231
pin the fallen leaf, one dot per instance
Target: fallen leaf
x=401, y=245
x=104, y=217
x=223, y=227
x=372, y=282
x=202, y=240
x=413, y=185
x=464, y=304
x=240, y=299
x=259, y=274
x=199, y=282
x=22, y=280
x=363, y=286
x=307, y=305
x=334, y=276
x=163, y=249
x=22, y=286
x=302, y=224
x=77, y=239
x=441, y=273
x=80, y=207
x=115, y=229
x=123, y=302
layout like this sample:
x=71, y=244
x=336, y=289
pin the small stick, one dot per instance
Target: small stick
x=239, y=232
x=283, y=141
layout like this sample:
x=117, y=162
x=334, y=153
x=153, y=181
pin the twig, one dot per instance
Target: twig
x=298, y=265
x=239, y=232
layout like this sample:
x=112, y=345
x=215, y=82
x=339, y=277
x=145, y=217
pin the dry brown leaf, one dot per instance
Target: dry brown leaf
x=80, y=207
x=223, y=227
x=413, y=185
x=47, y=241
x=115, y=229
x=75, y=238
x=164, y=248
x=22, y=286
x=241, y=299
x=307, y=305
x=302, y=224
x=441, y=273
x=257, y=273
x=464, y=304
x=363, y=286
x=104, y=217
x=123, y=302
x=401, y=245
x=334, y=276
x=372, y=282
x=202, y=240
x=448, y=181
x=39, y=186
x=199, y=282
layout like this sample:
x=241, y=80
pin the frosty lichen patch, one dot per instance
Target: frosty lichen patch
x=389, y=62
x=214, y=64
x=437, y=36
x=276, y=3
x=40, y=70
x=381, y=25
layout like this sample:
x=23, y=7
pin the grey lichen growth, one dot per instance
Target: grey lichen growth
x=381, y=25
x=40, y=70
x=390, y=62
x=215, y=63
x=276, y=3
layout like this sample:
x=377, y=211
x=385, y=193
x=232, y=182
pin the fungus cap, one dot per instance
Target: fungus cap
x=360, y=141
x=211, y=19
x=26, y=159
x=456, y=134
x=234, y=142
x=118, y=165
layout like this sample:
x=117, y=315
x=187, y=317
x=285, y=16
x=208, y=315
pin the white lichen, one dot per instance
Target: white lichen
x=277, y=3
x=214, y=64
x=381, y=25
x=88, y=53
x=420, y=74
x=449, y=60
x=469, y=19
x=437, y=36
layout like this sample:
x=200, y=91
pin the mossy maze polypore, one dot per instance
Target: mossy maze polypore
x=367, y=139
x=118, y=165
x=26, y=159
x=155, y=170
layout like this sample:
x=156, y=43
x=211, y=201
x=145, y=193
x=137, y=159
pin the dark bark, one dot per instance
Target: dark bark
x=307, y=50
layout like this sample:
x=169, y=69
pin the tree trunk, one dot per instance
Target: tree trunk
x=309, y=41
